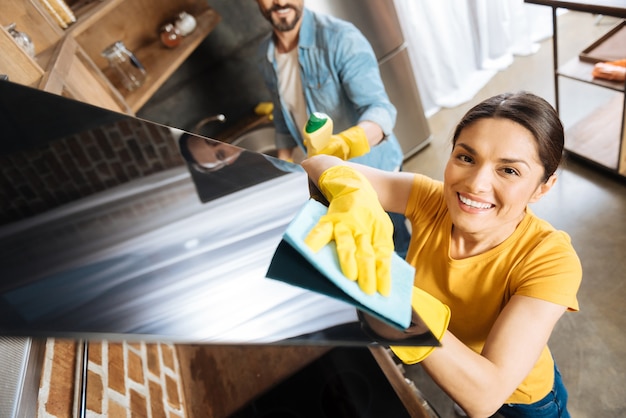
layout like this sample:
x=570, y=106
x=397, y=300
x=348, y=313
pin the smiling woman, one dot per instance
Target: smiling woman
x=493, y=274
x=492, y=175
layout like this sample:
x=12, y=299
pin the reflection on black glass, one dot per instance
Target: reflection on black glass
x=206, y=155
x=219, y=169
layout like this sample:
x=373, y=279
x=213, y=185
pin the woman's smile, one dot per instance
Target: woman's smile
x=470, y=204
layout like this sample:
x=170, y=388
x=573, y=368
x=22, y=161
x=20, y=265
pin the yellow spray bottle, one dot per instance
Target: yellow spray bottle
x=317, y=132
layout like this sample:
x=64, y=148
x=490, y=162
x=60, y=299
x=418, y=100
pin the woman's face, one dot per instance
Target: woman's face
x=212, y=155
x=493, y=173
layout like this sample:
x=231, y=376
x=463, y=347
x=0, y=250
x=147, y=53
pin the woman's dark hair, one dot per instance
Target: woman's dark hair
x=530, y=111
x=183, y=145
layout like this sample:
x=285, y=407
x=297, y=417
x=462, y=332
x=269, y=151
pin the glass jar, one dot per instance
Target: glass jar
x=125, y=66
x=22, y=39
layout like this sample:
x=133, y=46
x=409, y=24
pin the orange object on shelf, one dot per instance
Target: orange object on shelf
x=612, y=70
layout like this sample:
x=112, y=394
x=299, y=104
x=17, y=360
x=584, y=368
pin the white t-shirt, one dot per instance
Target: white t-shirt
x=290, y=86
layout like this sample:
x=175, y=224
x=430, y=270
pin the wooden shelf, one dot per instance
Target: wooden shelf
x=14, y=62
x=107, y=23
x=610, y=47
x=600, y=137
x=581, y=71
x=160, y=62
x=88, y=12
x=69, y=62
x=31, y=19
x=597, y=136
x=72, y=74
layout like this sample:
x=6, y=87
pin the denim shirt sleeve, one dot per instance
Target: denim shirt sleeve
x=341, y=75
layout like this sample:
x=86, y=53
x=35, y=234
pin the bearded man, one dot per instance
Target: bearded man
x=317, y=63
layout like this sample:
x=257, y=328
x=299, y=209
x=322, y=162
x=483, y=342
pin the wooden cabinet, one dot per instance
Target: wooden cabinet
x=69, y=62
x=600, y=137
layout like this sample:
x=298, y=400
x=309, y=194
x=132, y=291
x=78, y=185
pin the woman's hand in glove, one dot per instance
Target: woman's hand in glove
x=429, y=314
x=361, y=229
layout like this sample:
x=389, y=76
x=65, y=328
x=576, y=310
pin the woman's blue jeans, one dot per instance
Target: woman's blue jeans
x=553, y=405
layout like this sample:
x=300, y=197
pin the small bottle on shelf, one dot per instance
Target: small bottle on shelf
x=170, y=35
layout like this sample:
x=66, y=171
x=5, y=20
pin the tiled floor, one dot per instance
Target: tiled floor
x=590, y=345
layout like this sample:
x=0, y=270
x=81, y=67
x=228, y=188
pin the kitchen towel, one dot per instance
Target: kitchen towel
x=296, y=264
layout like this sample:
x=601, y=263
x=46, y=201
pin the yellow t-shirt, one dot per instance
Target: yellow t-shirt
x=536, y=261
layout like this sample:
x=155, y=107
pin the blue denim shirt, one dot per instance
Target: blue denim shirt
x=340, y=77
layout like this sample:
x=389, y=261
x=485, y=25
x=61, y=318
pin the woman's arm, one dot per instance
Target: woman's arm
x=481, y=383
x=393, y=188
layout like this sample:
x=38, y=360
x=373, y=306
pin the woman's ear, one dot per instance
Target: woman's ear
x=543, y=188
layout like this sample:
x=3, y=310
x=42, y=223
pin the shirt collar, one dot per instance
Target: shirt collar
x=307, y=30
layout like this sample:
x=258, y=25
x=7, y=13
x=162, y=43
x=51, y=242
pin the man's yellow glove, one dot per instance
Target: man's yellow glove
x=435, y=315
x=362, y=230
x=318, y=139
x=347, y=144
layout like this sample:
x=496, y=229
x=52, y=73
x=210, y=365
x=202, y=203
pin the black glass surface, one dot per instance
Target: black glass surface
x=116, y=227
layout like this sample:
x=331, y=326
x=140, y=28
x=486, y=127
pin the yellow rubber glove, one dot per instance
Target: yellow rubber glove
x=347, y=144
x=361, y=229
x=436, y=316
x=265, y=109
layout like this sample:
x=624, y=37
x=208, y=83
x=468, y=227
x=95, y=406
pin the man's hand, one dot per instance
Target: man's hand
x=347, y=144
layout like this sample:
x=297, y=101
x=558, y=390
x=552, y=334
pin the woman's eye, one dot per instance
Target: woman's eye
x=464, y=158
x=510, y=171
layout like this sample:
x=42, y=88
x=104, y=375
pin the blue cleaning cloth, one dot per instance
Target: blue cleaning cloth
x=394, y=309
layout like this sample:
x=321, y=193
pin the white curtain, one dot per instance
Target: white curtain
x=456, y=46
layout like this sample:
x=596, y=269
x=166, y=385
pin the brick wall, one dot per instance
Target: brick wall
x=77, y=166
x=124, y=380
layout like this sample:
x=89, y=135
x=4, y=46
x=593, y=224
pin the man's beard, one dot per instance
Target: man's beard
x=282, y=24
